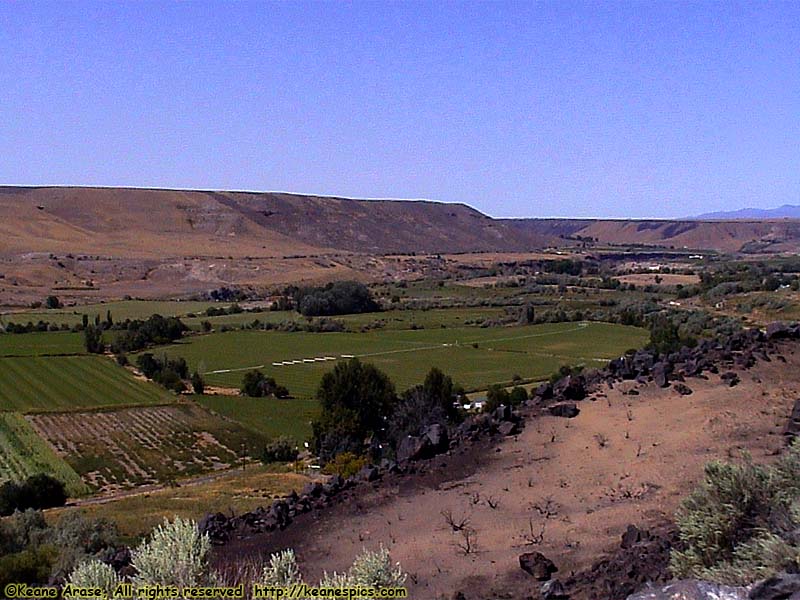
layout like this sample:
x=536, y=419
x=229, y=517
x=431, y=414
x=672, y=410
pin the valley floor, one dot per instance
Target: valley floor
x=565, y=487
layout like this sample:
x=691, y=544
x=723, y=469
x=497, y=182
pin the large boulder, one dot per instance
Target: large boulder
x=571, y=387
x=564, y=409
x=777, y=331
x=661, y=374
x=437, y=436
x=692, y=589
x=784, y=586
x=544, y=391
x=537, y=565
x=413, y=448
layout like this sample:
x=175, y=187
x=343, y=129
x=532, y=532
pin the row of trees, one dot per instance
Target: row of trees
x=359, y=402
x=136, y=334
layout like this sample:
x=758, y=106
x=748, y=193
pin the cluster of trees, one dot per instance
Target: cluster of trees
x=169, y=372
x=256, y=385
x=233, y=309
x=156, y=330
x=37, y=492
x=339, y=298
x=359, y=402
x=497, y=395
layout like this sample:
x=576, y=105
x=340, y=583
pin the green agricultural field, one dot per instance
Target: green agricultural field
x=392, y=319
x=124, y=309
x=474, y=357
x=33, y=384
x=24, y=453
x=41, y=344
x=270, y=417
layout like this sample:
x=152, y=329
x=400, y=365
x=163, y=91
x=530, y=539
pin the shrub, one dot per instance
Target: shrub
x=346, y=464
x=29, y=566
x=37, y=491
x=282, y=570
x=495, y=396
x=738, y=525
x=95, y=574
x=517, y=396
x=370, y=569
x=282, y=449
x=175, y=554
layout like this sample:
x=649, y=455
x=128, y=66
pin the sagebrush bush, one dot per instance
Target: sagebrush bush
x=175, y=554
x=95, y=574
x=346, y=464
x=739, y=524
x=282, y=569
x=370, y=569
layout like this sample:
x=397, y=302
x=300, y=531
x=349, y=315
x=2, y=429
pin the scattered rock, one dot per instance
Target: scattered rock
x=692, y=589
x=508, y=428
x=682, y=389
x=631, y=536
x=554, y=590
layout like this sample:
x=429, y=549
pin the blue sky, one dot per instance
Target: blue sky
x=519, y=109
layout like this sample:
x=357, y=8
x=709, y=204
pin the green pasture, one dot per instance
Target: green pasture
x=41, y=344
x=270, y=417
x=392, y=319
x=56, y=383
x=23, y=453
x=474, y=357
x=120, y=310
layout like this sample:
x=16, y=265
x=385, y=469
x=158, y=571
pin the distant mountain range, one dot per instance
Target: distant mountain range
x=787, y=211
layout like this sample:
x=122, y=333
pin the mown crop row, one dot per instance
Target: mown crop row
x=49, y=383
x=24, y=453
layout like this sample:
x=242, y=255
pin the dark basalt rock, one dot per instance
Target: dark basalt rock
x=784, y=586
x=564, y=409
x=792, y=430
x=537, y=565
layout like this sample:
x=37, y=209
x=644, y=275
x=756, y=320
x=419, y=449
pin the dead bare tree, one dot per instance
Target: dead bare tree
x=456, y=524
x=492, y=502
x=531, y=537
x=467, y=543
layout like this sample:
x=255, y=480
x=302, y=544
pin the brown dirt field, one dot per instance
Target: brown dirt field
x=665, y=278
x=624, y=459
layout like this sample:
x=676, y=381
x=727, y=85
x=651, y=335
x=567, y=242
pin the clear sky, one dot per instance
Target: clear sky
x=564, y=108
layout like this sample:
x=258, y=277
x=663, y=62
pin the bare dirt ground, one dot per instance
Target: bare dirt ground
x=564, y=487
x=663, y=279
